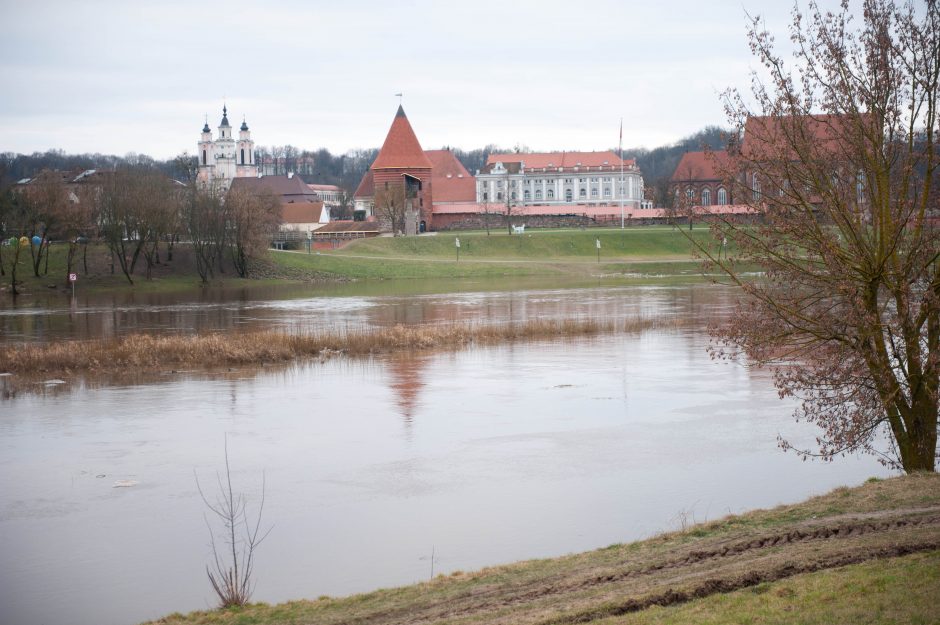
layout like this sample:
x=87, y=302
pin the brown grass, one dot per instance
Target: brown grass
x=147, y=351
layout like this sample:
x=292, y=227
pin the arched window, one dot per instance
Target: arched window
x=690, y=194
x=706, y=197
x=551, y=194
x=538, y=194
x=203, y=157
x=607, y=192
x=582, y=193
x=567, y=195
x=243, y=156
x=594, y=192
x=722, y=197
x=526, y=195
x=499, y=195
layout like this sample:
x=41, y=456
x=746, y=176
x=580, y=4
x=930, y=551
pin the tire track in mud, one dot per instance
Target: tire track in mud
x=724, y=585
x=483, y=601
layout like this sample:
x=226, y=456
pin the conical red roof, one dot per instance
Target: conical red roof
x=401, y=148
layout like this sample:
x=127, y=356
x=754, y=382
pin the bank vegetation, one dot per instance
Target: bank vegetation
x=143, y=352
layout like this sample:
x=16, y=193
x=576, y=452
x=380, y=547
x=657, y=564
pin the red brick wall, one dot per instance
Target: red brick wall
x=394, y=176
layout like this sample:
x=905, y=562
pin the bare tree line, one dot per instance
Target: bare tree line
x=139, y=214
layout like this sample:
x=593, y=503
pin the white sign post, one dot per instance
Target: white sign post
x=457, y=244
x=597, y=242
x=73, y=277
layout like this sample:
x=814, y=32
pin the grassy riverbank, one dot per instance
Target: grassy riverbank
x=869, y=554
x=634, y=252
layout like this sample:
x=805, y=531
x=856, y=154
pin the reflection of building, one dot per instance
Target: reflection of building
x=552, y=178
x=406, y=375
x=224, y=159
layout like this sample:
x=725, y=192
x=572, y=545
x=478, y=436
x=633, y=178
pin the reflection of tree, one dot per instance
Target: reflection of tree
x=405, y=372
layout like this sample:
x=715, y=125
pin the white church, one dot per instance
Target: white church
x=225, y=158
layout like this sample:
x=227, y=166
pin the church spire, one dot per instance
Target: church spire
x=224, y=116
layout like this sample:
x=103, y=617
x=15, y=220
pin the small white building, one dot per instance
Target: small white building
x=225, y=158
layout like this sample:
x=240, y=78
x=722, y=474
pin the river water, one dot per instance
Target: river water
x=481, y=456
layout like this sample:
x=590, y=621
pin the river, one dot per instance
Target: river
x=481, y=456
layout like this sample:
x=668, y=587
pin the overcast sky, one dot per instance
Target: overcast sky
x=118, y=77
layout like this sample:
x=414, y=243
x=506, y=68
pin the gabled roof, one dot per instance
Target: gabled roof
x=301, y=212
x=695, y=166
x=450, y=180
x=401, y=148
x=288, y=187
x=539, y=160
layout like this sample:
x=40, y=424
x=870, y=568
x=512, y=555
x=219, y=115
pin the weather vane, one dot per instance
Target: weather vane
x=399, y=95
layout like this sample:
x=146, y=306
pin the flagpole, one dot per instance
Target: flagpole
x=621, y=173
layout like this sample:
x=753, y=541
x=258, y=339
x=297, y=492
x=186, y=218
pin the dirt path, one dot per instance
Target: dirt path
x=674, y=574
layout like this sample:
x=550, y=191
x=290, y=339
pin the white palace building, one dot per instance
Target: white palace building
x=556, y=178
x=225, y=158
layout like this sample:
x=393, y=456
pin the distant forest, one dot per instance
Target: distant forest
x=346, y=170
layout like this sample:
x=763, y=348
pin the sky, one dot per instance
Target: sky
x=121, y=77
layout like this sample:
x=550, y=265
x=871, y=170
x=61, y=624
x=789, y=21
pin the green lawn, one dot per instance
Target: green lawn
x=646, y=243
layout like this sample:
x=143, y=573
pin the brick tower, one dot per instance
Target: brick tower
x=402, y=162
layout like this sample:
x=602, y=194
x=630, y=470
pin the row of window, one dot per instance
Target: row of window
x=550, y=194
x=707, y=196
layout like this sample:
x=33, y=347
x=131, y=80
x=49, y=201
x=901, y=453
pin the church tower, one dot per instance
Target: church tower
x=245, y=153
x=206, y=156
x=225, y=158
x=225, y=152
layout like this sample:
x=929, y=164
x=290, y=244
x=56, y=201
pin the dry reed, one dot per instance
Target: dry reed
x=147, y=351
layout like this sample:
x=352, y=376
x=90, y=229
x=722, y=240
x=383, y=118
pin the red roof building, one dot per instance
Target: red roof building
x=402, y=163
x=701, y=176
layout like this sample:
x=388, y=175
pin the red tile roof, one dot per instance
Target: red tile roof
x=553, y=160
x=366, y=186
x=289, y=188
x=301, y=212
x=450, y=180
x=771, y=138
x=696, y=166
x=401, y=149
x=349, y=226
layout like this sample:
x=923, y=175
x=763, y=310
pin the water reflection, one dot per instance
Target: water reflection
x=489, y=454
x=303, y=309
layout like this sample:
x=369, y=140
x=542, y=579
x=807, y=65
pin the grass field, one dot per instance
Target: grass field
x=636, y=252
x=869, y=554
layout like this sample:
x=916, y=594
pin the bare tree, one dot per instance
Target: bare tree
x=44, y=201
x=252, y=221
x=234, y=544
x=390, y=206
x=841, y=168
x=132, y=208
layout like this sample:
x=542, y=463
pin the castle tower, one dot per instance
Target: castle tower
x=402, y=162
